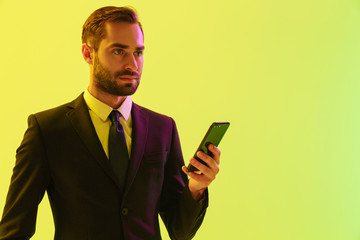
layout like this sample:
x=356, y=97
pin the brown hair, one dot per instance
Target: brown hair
x=94, y=28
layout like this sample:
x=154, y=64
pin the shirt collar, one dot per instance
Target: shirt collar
x=102, y=110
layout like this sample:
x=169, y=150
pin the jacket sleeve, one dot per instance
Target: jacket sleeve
x=27, y=187
x=181, y=214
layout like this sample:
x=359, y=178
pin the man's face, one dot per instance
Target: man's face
x=118, y=63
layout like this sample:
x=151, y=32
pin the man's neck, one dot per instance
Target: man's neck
x=111, y=100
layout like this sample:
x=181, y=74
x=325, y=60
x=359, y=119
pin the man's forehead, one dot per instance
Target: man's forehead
x=114, y=29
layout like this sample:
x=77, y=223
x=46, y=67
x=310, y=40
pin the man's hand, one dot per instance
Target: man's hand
x=201, y=179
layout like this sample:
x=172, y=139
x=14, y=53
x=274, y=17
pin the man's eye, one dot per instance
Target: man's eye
x=138, y=53
x=118, y=52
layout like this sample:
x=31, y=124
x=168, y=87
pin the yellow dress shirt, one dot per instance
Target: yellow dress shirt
x=99, y=113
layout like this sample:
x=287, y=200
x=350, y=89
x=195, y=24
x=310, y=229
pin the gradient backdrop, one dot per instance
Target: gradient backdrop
x=284, y=73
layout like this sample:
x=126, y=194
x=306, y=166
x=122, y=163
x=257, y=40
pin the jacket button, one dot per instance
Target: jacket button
x=124, y=211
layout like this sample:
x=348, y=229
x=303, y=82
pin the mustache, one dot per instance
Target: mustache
x=128, y=73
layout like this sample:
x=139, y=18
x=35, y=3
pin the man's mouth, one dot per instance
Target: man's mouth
x=129, y=77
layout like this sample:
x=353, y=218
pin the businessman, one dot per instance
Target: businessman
x=109, y=166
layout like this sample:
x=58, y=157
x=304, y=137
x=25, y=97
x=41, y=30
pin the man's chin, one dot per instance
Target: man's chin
x=119, y=89
x=126, y=90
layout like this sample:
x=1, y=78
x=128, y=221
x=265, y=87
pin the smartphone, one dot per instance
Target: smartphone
x=212, y=136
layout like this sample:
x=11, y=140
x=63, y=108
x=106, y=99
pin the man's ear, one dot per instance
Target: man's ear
x=87, y=53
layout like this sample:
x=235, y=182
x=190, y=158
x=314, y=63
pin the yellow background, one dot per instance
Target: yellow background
x=284, y=73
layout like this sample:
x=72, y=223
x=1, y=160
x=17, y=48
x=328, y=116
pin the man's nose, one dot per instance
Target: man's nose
x=131, y=63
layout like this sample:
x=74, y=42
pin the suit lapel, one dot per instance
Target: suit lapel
x=80, y=119
x=139, y=138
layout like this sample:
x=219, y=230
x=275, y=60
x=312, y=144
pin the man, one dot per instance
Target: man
x=107, y=179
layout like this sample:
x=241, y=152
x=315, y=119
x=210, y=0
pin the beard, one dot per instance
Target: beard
x=107, y=80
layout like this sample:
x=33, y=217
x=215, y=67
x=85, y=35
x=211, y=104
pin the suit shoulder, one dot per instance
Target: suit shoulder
x=56, y=113
x=156, y=120
x=152, y=114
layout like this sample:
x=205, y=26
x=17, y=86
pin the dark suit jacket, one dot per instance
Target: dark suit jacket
x=61, y=154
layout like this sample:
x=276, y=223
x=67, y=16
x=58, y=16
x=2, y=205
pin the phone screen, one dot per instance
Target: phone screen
x=212, y=136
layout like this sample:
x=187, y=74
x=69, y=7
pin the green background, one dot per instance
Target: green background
x=284, y=73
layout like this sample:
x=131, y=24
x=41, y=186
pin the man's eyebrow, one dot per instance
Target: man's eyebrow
x=119, y=45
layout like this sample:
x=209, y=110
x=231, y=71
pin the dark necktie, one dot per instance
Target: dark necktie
x=118, y=153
